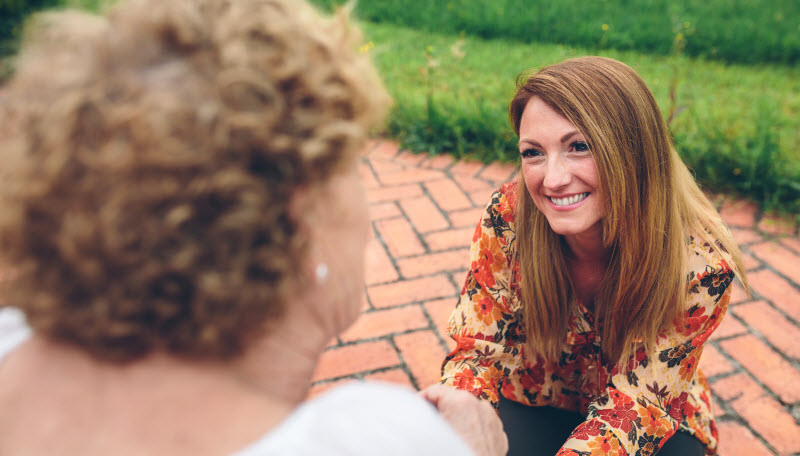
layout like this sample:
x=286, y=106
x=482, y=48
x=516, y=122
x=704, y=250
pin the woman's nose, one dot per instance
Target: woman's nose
x=557, y=174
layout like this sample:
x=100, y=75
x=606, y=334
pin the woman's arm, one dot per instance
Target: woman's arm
x=643, y=406
x=483, y=323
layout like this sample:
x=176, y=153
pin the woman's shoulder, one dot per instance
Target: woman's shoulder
x=709, y=265
x=502, y=207
x=361, y=418
x=705, y=252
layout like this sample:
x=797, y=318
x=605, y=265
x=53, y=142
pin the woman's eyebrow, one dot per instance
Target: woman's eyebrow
x=569, y=135
x=564, y=138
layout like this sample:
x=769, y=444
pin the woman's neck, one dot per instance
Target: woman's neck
x=587, y=261
x=587, y=247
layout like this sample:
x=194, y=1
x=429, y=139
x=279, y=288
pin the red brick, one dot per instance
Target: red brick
x=750, y=262
x=383, y=167
x=439, y=311
x=791, y=242
x=394, y=193
x=499, y=173
x=775, y=224
x=744, y=236
x=371, y=144
x=443, y=240
x=712, y=363
x=379, y=268
x=385, y=149
x=423, y=354
x=396, y=376
x=407, y=291
x=737, y=387
x=467, y=217
x=738, y=294
x=716, y=409
x=447, y=195
x=423, y=214
x=780, y=258
x=409, y=158
x=383, y=322
x=364, y=302
x=399, y=237
x=433, y=263
x=739, y=213
x=776, y=290
x=779, y=331
x=441, y=161
x=352, y=359
x=770, y=420
x=480, y=198
x=409, y=176
x=773, y=371
x=728, y=328
x=471, y=184
x=466, y=167
x=384, y=210
x=458, y=276
x=367, y=178
x=737, y=440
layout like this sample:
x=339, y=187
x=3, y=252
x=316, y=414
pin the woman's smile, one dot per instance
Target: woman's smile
x=568, y=202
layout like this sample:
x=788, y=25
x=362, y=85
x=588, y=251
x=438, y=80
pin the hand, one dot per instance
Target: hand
x=473, y=419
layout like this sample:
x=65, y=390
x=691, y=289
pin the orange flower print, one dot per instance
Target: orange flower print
x=688, y=366
x=693, y=321
x=604, y=445
x=504, y=208
x=487, y=311
x=652, y=422
x=508, y=390
x=622, y=416
x=676, y=406
x=490, y=261
x=465, y=380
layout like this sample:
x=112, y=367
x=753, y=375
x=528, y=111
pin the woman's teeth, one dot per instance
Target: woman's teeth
x=569, y=200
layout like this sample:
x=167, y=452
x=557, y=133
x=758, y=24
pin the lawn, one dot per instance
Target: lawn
x=736, y=125
x=744, y=31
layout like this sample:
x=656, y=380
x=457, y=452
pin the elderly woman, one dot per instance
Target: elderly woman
x=183, y=228
x=595, y=278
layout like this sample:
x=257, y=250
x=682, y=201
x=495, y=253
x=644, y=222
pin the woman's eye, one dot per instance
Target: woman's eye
x=529, y=153
x=580, y=146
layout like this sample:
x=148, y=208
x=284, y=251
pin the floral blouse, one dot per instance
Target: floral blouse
x=631, y=413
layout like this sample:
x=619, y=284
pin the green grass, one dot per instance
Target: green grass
x=744, y=31
x=737, y=125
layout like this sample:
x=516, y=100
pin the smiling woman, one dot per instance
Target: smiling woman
x=614, y=270
x=559, y=171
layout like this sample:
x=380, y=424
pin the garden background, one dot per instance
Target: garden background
x=726, y=75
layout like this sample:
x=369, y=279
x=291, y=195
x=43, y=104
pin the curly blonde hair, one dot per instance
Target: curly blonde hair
x=149, y=160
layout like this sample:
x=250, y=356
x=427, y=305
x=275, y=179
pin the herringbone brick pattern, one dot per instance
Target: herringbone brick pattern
x=424, y=211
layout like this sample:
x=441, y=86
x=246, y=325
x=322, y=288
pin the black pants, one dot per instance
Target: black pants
x=534, y=431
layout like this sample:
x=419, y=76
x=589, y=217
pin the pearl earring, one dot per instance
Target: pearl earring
x=322, y=272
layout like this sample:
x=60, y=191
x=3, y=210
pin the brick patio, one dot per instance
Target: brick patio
x=424, y=211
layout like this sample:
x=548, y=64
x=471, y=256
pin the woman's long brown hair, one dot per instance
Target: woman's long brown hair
x=651, y=205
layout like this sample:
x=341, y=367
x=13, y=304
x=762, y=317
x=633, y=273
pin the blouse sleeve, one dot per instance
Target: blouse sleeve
x=483, y=323
x=642, y=407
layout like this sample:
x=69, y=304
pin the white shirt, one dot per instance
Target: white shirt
x=358, y=419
